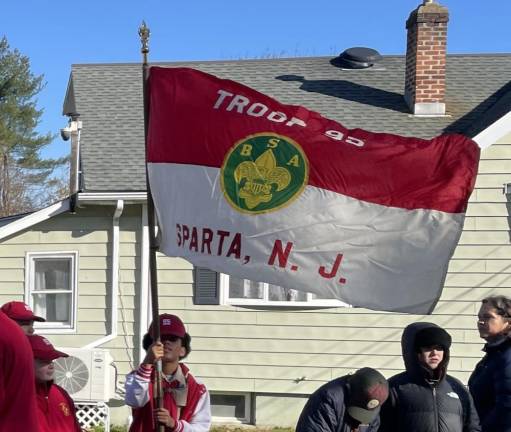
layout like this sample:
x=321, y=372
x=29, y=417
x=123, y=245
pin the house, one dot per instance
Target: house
x=83, y=262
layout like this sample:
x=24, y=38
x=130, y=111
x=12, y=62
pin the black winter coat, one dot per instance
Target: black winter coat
x=325, y=411
x=421, y=402
x=490, y=386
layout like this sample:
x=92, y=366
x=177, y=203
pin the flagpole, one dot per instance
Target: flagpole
x=144, y=34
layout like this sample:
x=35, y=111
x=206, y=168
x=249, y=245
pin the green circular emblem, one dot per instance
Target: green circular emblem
x=264, y=172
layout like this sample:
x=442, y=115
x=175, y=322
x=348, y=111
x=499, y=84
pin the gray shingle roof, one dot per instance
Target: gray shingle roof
x=108, y=98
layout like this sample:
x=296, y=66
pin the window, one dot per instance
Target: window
x=212, y=288
x=50, y=288
x=245, y=292
x=230, y=407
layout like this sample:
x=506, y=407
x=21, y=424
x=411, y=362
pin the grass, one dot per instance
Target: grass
x=249, y=428
x=213, y=429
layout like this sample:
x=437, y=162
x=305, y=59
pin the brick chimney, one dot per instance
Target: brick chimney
x=425, y=59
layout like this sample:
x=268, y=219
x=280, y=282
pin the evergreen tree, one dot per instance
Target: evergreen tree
x=26, y=181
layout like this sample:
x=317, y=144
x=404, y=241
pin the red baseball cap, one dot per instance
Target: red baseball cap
x=19, y=311
x=43, y=349
x=170, y=325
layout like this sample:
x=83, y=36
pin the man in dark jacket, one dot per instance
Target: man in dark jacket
x=425, y=398
x=347, y=404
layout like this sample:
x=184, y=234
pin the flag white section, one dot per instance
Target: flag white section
x=364, y=254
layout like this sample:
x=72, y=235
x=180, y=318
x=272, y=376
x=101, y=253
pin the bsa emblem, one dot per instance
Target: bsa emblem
x=263, y=173
x=65, y=409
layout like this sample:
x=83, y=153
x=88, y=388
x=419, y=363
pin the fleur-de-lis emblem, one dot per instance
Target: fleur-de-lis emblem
x=257, y=179
x=263, y=173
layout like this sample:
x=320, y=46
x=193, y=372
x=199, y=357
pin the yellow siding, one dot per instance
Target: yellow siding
x=505, y=140
x=487, y=181
x=491, y=223
x=89, y=232
x=277, y=410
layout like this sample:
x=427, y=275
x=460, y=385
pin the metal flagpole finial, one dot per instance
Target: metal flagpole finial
x=144, y=33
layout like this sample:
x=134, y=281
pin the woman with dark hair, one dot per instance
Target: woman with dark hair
x=186, y=406
x=490, y=383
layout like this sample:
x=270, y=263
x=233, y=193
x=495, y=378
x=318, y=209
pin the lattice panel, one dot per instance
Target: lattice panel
x=93, y=414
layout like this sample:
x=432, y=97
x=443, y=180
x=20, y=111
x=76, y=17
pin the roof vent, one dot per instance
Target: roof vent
x=357, y=58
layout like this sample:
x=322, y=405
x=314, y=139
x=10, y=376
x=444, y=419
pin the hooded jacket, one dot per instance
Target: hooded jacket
x=422, y=400
x=325, y=411
x=490, y=386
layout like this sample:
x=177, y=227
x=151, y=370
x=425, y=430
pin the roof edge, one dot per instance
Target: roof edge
x=35, y=218
x=251, y=60
x=494, y=132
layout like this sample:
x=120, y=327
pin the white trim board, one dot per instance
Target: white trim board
x=494, y=132
x=34, y=218
x=53, y=327
x=96, y=197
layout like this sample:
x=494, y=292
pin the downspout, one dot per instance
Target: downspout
x=144, y=283
x=115, y=278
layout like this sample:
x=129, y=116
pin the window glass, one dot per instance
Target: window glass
x=53, y=307
x=247, y=292
x=324, y=296
x=228, y=406
x=52, y=274
x=245, y=289
x=278, y=293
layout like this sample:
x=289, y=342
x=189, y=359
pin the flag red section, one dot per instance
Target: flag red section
x=196, y=118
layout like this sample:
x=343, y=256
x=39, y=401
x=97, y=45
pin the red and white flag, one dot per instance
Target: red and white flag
x=276, y=193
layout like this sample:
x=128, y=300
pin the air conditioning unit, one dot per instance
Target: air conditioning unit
x=87, y=374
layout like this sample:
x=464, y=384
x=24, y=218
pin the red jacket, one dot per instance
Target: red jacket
x=18, y=410
x=56, y=410
x=143, y=418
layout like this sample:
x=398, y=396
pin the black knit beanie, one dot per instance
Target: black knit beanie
x=430, y=336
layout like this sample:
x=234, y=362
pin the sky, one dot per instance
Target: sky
x=55, y=34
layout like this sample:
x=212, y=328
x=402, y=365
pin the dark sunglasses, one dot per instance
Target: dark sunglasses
x=170, y=338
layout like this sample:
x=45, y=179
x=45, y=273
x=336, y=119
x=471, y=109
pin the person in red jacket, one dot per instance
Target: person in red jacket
x=18, y=410
x=186, y=405
x=55, y=408
x=22, y=314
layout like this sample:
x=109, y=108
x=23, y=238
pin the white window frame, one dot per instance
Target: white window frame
x=53, y=327
x=248, y=408
x=309, y=303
